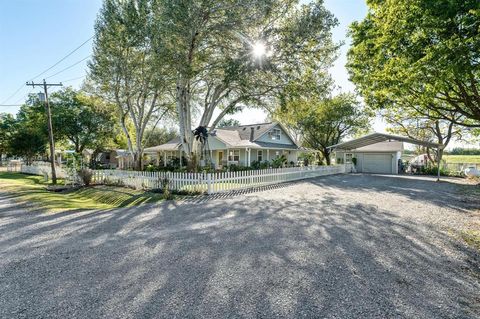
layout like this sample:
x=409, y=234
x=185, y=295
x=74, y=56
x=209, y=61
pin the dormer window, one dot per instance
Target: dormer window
x=276, y=134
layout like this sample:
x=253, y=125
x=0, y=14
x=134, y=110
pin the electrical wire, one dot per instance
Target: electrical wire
x=62, y=59
x=48, y=69
x=68, y=67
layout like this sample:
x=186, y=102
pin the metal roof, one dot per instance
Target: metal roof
x=380, y=137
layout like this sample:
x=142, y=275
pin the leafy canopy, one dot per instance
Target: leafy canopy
x=422, y=54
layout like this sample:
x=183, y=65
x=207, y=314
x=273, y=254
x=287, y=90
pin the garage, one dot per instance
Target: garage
x=376, y=153
x=377, y=163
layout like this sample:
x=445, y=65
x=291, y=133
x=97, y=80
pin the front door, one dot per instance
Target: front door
x=220, y=159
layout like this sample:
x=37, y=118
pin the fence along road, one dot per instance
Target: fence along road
x=210, y=183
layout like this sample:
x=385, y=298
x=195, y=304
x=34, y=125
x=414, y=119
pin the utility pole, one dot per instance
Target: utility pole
x=49, y=124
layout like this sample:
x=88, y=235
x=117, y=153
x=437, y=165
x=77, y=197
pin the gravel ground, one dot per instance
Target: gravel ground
x=345, y=246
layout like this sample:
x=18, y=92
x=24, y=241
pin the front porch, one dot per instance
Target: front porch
x=221, y=158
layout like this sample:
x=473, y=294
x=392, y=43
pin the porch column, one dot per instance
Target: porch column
x=268, y=155
x=158, y=158
x=248, y=156
x=165, y=158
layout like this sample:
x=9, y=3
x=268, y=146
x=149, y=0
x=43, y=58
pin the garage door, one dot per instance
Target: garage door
x=377, y=163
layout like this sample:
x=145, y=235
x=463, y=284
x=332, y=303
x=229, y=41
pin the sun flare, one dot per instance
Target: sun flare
x=259, y=50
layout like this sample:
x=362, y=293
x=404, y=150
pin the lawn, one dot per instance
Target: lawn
x=32, y=190
x=462, y=158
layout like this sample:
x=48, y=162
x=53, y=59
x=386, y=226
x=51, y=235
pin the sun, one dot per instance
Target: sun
x=259, y=50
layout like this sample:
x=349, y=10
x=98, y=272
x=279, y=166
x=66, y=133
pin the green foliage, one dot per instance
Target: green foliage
x=28, y=142
x=227, y=123
x=32, y=190
x=159, y=135
x=420, y=54
x=464, y=151
x=324, y=121
x=259, y=165
x=279, y=161
x=7, y=124
x=84, y=121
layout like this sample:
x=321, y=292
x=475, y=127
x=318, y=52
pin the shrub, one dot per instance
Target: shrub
x=85, y=175
x=165, y=183
x=279, y=162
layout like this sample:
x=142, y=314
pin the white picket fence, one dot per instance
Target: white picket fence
x=212, y=183
x=43, y=169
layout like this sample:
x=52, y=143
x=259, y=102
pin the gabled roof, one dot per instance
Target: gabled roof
x=244, y=131
x=172, y=145
x=235, y=136
x=380, y=137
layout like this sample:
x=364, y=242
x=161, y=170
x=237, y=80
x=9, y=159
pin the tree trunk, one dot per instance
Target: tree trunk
x=184, y=117
x=326, y=155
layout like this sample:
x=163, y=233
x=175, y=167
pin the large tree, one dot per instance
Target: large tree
x=7, y=122
x=421, y=53
x=128, y=69
x=407, y=121
x=84, y=121
x=225, y=55
x=324, y=121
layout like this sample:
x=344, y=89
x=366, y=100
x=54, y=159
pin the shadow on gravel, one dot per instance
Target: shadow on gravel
x=420, y=188
x=234, y=257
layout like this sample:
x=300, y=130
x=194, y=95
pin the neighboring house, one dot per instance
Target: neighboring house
x=239, y=145
x=117, y=158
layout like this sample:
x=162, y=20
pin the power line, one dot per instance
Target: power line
x=69, y=67
x=62, y=59
x=7, y=105
x=48, y=69
x=14, y=93
x=77, y=78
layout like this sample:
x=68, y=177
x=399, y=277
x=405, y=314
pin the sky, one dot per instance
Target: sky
x=36, y=34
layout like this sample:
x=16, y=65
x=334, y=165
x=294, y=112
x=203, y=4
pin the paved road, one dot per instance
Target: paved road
x=345, y=246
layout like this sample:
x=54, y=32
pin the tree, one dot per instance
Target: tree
x=228, y=54
x=324, y=122
x=28, y=142
x=127, y=69
x=84, y=121
x=420, y=53
x=7, y=122
x=227, y=123
x=158, y=135
x=29, y=136
x=410, y=123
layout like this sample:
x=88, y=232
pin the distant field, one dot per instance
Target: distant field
x=462, y=158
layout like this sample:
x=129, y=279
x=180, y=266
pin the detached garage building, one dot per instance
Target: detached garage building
x=375, y=153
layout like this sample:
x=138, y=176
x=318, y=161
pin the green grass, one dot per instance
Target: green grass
x=472, y=238
x=462, y=158
x=32, y=190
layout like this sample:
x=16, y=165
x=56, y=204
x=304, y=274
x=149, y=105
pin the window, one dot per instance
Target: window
x=234, y=155
x=259, y=156
x=277, y=154
x=348, y=158
x=275, y=134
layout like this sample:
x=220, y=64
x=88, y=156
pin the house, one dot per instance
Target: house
x=375, y=153
x=238, y=145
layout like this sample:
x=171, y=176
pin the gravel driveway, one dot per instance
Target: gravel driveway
x=344, y=246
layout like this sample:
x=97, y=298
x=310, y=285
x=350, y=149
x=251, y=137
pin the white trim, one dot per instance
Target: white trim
x=284, y=131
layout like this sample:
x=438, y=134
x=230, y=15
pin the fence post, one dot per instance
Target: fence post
x=209, y=183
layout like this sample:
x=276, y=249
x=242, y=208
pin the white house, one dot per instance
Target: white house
x=239, y=145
